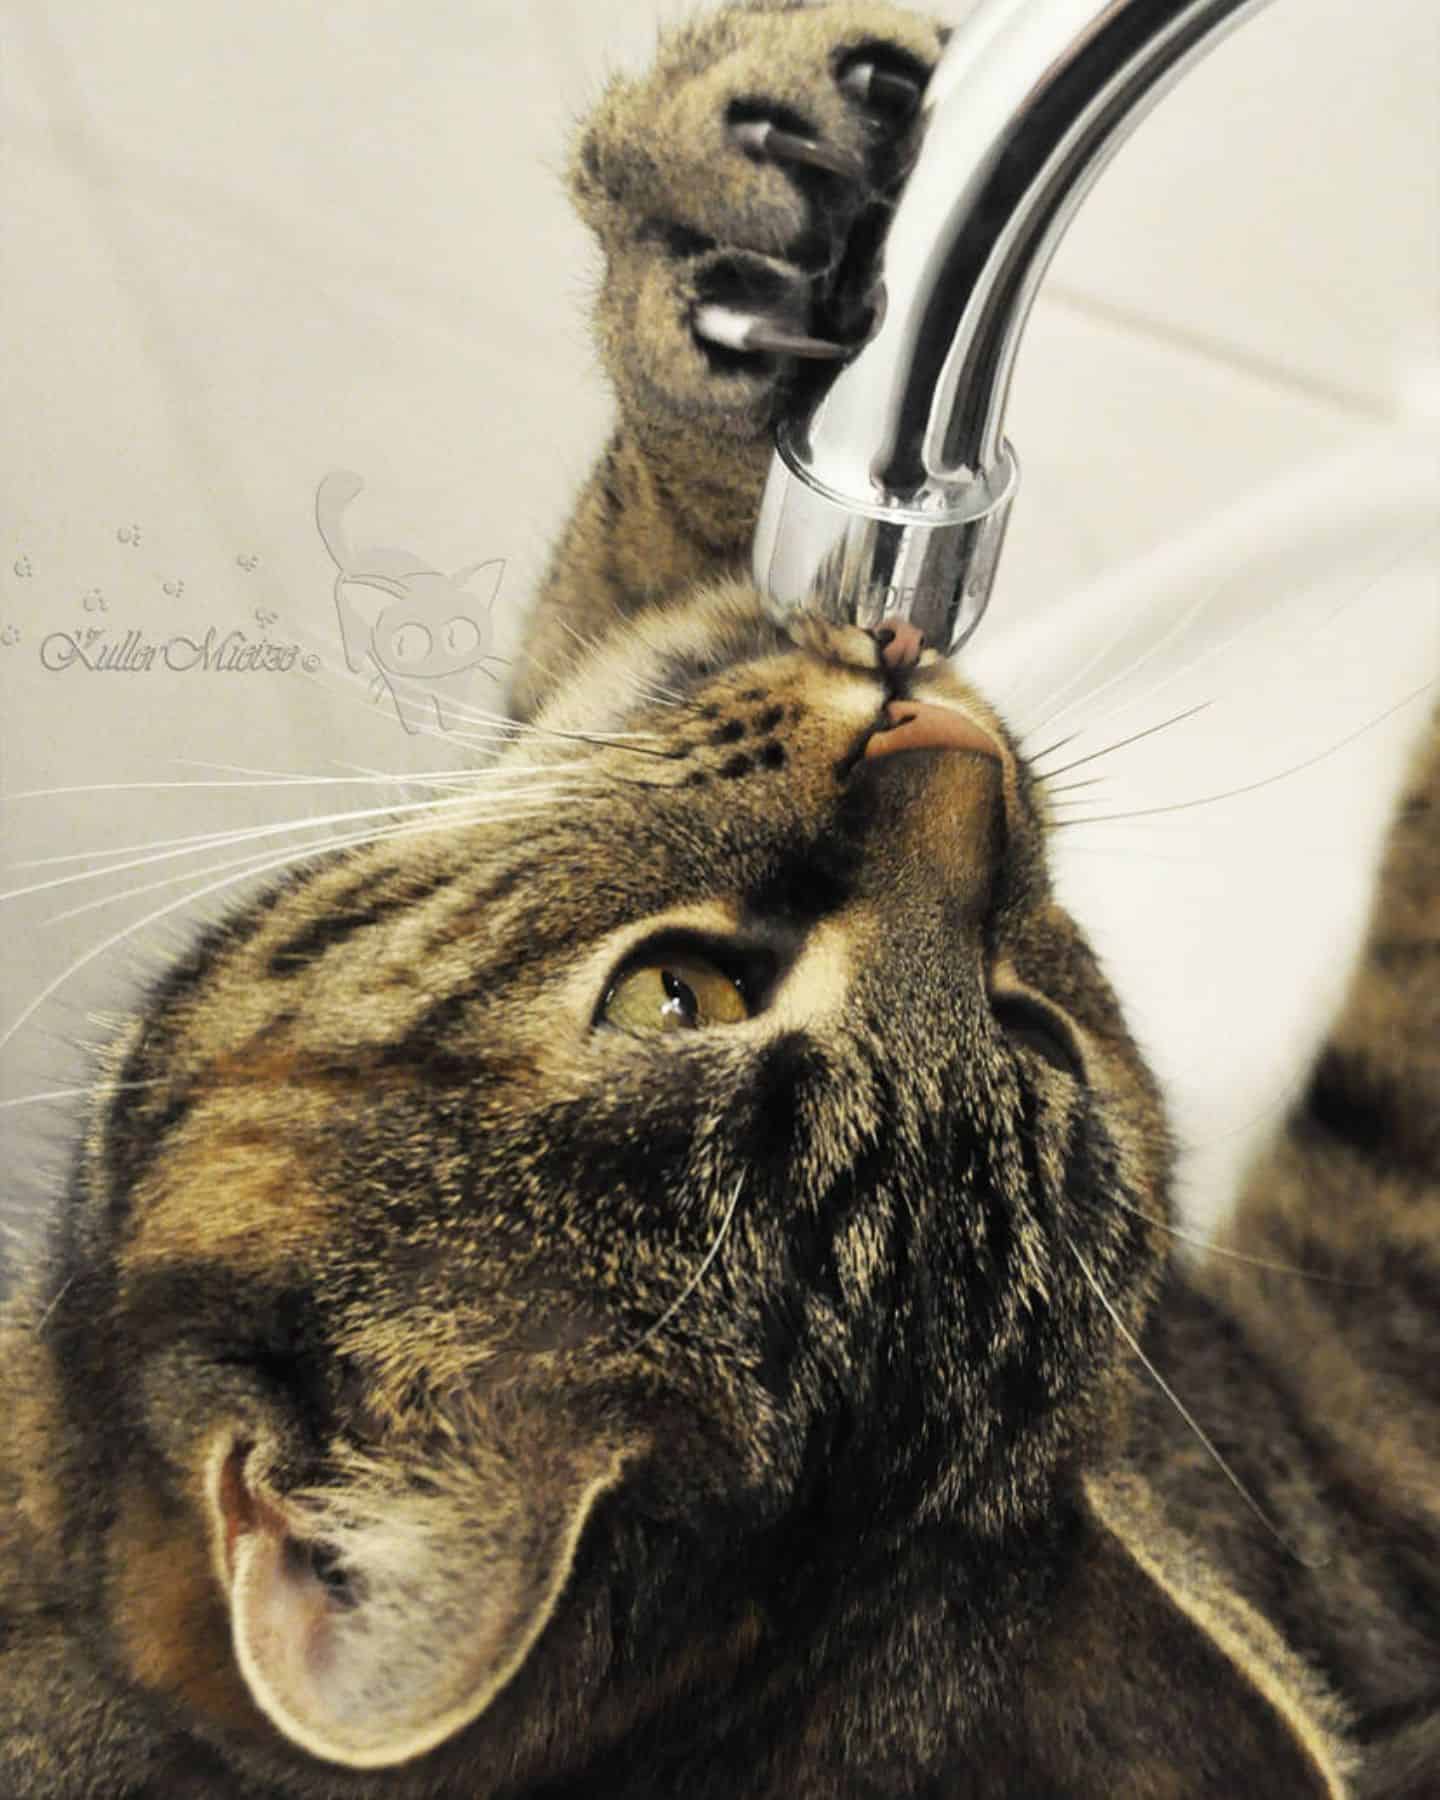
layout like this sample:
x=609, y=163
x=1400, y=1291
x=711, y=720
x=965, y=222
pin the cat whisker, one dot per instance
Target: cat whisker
x=56, y=1298
x=267, y=780
x=255, y=868
x=1251, y=787
x=143, y=787
x=509, y=729
x=1255, y=622
x=1091, y=694
x=1071, y=786
x=652, y=692
x=259, y=867
x=280, y=776
x=1134, y=738
x=412, y=828
x=1050, y=749
x=1201, y=1242
x=547, y=669
x=209, y=840
x=695, y=1280
x=598, y=740
x=1189, y=1418
x=361, y=774
x=634, y=630
x=79, y=1093
x=522, y=781
x=454, y=782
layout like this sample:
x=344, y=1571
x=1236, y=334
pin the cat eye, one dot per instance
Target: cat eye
x=1028, y=1022
x=678, y=991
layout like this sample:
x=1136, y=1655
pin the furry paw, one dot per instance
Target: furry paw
x=739, y=190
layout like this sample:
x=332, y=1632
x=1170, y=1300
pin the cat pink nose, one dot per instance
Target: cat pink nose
x=900, y=642
x=924, y=725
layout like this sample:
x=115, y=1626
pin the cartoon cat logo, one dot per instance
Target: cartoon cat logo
x=429, y=632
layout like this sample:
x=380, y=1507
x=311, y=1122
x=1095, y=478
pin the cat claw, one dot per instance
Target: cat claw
x=744, y=331
x=760, y=138
x=883, y=89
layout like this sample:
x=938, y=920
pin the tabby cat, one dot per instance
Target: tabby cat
x=636, y=1289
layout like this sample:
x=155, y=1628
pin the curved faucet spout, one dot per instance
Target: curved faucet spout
x=889, y=492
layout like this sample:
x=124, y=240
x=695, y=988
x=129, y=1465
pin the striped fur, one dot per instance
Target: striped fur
x=435, y=1391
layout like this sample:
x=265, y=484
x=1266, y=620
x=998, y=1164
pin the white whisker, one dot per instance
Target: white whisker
x=254, y=867
x=1091, y=694
x=411, y=828
x=1264, y=619
x=1201, y=1242
x=79, y=1093
x=165, y=850
x=699, y=1275
x=1188, y=1416
x=1134, y=738
x=1251, y=787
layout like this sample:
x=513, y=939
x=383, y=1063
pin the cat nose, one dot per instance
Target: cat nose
x=900, y=642
x=938, y=816
x=926, y=725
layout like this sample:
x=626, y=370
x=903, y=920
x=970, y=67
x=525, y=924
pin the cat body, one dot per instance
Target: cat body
x=635, y=1286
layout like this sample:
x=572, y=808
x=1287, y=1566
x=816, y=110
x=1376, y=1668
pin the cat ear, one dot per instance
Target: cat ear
x=371, y=1625
x=491, y=573
x=1154, y=1666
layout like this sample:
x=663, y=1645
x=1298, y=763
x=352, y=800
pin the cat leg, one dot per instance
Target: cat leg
x=732, y=189
x=1343, y=1367
x=1351, y=1186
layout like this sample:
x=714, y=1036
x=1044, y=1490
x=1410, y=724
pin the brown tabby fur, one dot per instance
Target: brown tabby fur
x=728, y=1413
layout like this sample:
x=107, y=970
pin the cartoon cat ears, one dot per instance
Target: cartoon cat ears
x=372, y=1621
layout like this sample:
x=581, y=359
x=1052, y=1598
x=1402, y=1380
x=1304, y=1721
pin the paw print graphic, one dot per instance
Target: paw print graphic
x=94, y=601
x=175, y=588
x=129, y=534
x=10, y=635
x=248, y=560
x=265, y=617
x=24, y=568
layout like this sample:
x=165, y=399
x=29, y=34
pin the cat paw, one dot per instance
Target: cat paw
x=738, y=191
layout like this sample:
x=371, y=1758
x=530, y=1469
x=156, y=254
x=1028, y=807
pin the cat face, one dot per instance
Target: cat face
x=713, y=1121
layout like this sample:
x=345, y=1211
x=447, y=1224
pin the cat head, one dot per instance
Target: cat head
x=704, y=1125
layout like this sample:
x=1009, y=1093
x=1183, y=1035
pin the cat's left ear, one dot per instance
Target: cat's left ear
x=1157, y=1677
x=486, y=577
x=374, y=1621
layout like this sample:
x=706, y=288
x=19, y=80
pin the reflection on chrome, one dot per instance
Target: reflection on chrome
x=892, y=482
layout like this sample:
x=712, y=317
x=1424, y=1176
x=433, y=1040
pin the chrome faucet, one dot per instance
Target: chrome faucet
x=890, y=489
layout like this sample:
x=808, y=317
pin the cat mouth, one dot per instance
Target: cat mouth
x=906, y=725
